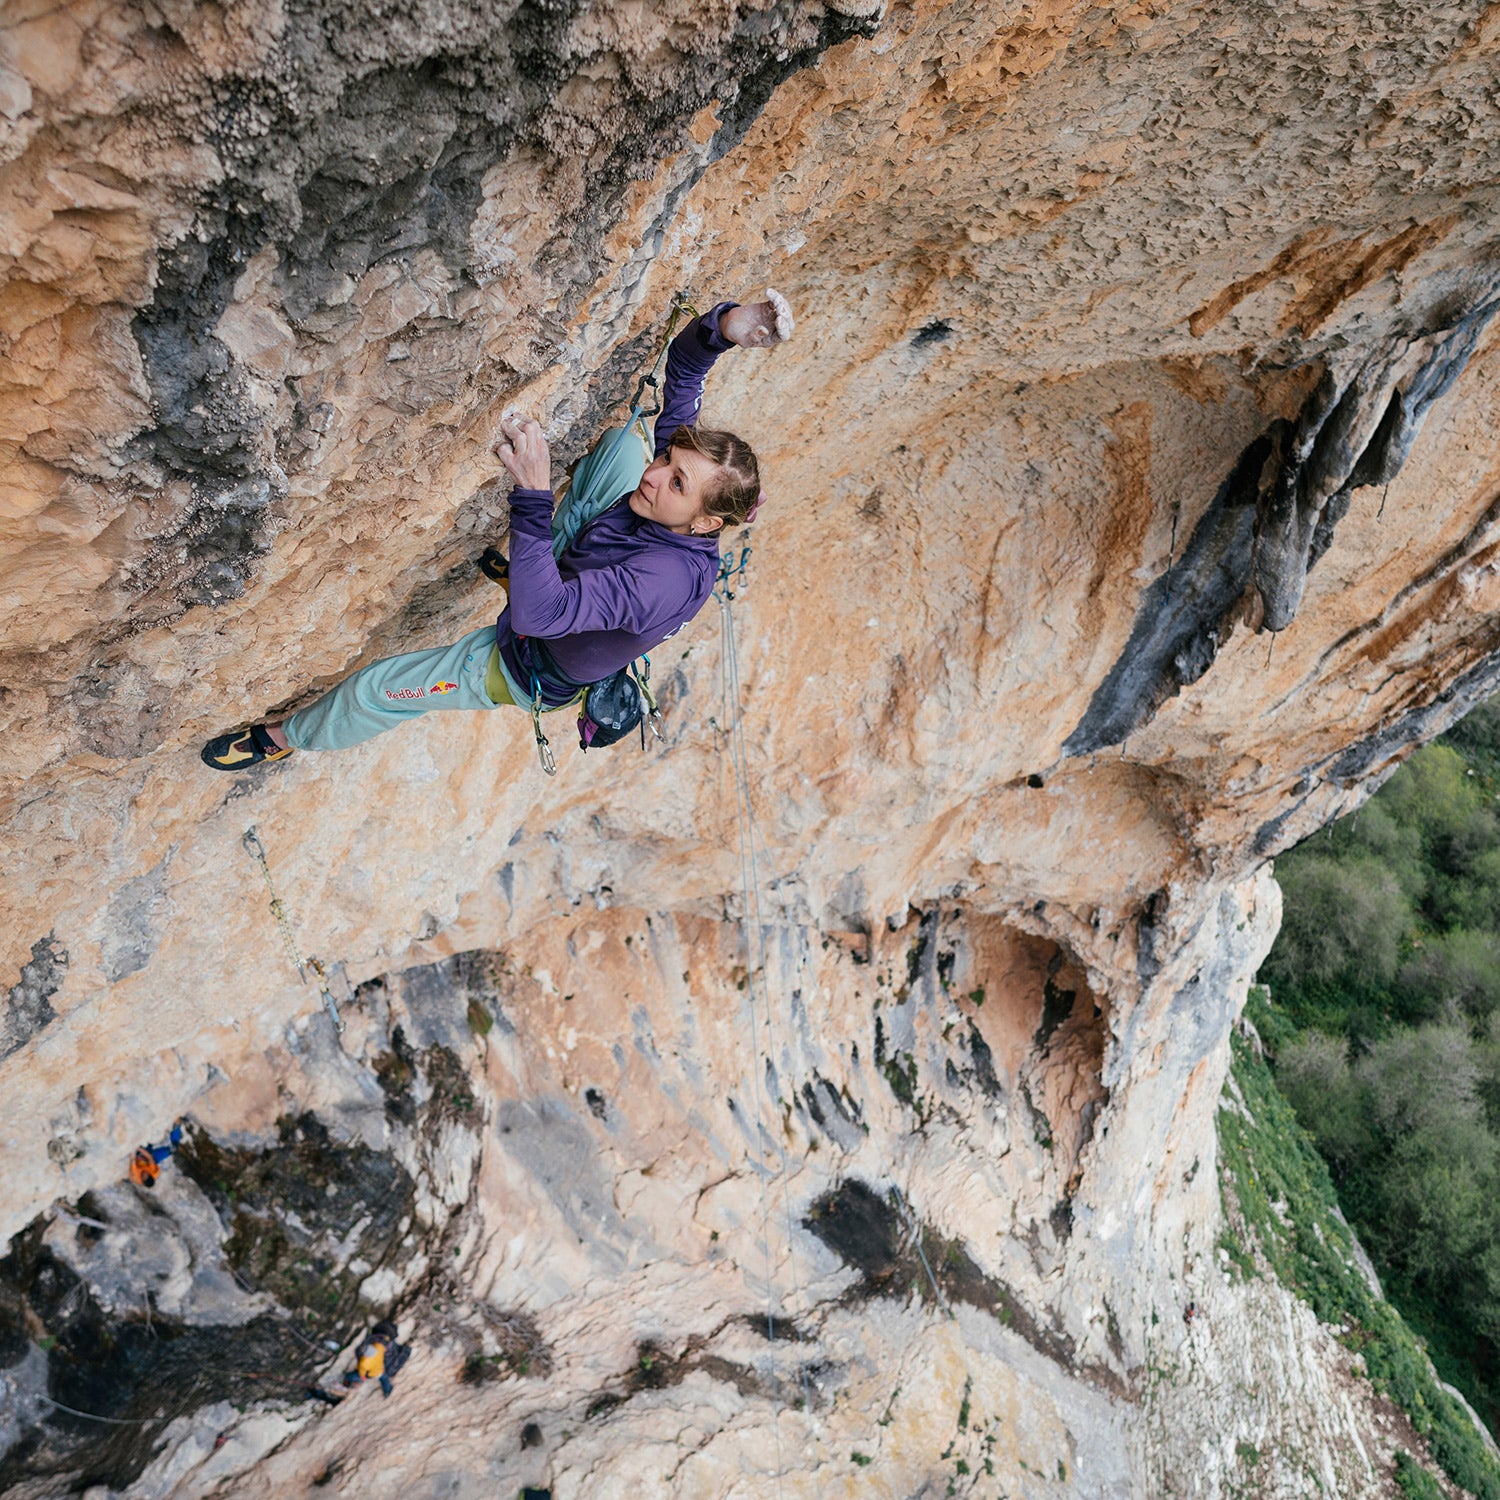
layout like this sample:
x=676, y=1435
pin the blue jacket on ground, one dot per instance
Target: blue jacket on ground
x=626, y=583
x=160, y=1153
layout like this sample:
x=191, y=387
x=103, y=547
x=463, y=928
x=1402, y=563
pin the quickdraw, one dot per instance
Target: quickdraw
x=653, y=713
x=680, y=306
x=256, y=851
x=543, y=744
x=731, y=568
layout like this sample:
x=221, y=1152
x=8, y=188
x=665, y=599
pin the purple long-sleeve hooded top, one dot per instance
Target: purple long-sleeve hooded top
x=626, y=583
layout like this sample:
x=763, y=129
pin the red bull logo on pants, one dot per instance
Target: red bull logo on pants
x=443, y=687
x=401, y=693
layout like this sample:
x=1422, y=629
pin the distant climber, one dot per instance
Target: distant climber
x=145, y=1163
x=630, y=578
x=378, y=1357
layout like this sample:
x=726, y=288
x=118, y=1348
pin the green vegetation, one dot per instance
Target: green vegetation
x=1414, y=1481
x=480, y=1018
x=901, y=1073
x=1385, y=1038
x=1284, y=1200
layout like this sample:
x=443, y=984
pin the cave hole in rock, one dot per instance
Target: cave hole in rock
x=1035, y=1031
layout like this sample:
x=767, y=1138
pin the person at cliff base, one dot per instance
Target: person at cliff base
x=633, y=576
x=145, y=1163
x=378, y=1357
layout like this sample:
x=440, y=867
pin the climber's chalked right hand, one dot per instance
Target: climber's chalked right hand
x=758, y=325
x=524, y=452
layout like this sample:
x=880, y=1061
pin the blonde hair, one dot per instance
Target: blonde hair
x=735, y=487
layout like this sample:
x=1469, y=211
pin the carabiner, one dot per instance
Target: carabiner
x=543, y=746
x=544, y=754
x=642, y=675
x=328, y=1001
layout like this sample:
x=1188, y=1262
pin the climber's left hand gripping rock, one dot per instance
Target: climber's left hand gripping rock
x=524, y=452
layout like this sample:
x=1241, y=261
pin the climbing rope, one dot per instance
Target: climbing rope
x=915, y=1228
x=756, y=964
x=734, y=733
x=681, y=307
x=90, y=1416
x=256, y=851
x=750, y=833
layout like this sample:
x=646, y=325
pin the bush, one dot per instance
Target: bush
x=1461, y=967
x=1388, y=971
x=1314, y=1073
x=1414, y=1481
x=1342, y=922
x=1470, y=896
x=1434, y=793
x=1421, y=1083
x=1375, y=832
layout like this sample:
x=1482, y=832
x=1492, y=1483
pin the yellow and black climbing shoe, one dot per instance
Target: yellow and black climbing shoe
x=495, y=566
x=244, y=747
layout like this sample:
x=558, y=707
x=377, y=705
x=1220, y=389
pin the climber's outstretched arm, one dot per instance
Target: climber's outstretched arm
x=756, y=326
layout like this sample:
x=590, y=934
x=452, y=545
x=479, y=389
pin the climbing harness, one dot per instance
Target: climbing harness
x=256, y=851
x=608, y=709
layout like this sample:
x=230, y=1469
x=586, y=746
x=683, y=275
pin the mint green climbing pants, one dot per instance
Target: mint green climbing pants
x=469, y=673
x=398, y=688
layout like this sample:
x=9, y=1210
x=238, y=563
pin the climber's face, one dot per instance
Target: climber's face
x=672, y=490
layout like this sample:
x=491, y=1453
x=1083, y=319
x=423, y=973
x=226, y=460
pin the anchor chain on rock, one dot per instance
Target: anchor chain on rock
x=257, y=852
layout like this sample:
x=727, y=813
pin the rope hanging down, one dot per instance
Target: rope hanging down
x=751, y=834
x=753, y=927
x=257, y=852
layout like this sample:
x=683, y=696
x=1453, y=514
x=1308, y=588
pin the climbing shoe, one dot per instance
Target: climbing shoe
x=244, y=747
x=495, y=566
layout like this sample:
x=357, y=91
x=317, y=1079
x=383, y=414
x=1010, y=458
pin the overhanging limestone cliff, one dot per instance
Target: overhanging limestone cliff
x=1114, y=322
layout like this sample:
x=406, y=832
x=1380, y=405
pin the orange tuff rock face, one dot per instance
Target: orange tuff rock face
x=1075, y=288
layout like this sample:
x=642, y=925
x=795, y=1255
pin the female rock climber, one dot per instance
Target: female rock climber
x=631, y=578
